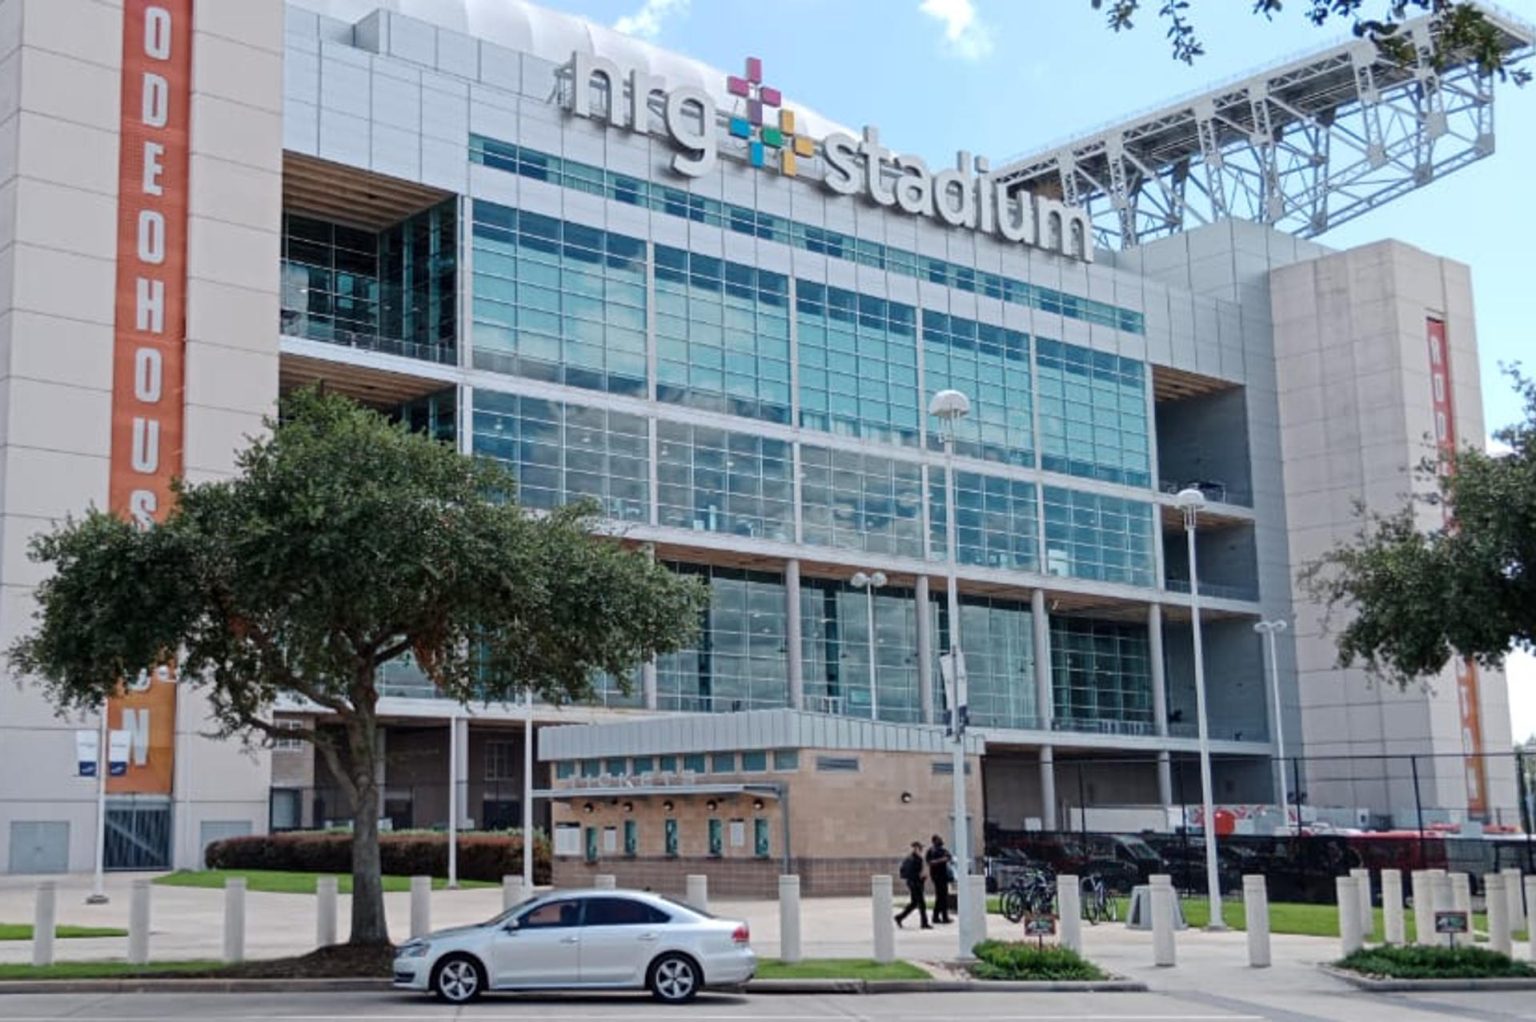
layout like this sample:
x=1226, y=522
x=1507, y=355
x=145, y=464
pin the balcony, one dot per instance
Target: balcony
x=1217, y=590
x=312, y=327
x=1216, y=491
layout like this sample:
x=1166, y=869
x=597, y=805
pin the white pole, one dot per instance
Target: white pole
x=1392, y=906
x=789, y=918
x=874, y=697
x=961, y=846
x=138, y=922
x=234, y=919
x=421, y=906
x=1212, y=874
x=1347, y=894
x=528, y=792
x=325, y=911
x=103, y=765
x=1256, y=917
x=453, y=799
x=44, y=916
x=1162, y=905
x=884, y=921
x=1069, y=911
x=1269, y=629
x=1498, y=913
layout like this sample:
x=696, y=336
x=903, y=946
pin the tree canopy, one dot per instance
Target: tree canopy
x=1414, y=596
x=1464, y=30
x=343, y=543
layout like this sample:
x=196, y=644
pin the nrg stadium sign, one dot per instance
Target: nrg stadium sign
x=597, y=88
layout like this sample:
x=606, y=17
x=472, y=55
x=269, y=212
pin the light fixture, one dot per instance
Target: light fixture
x=757, y=804
x=629, y=807
x=711, y=805
x=906, y=798
x=667, y=806
x=587, y=808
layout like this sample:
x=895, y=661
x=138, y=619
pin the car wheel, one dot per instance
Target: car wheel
x=674, y=979
x=458, y=979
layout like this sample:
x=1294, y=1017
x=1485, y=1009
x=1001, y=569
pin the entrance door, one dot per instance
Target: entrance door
x=138, y=834
x=543, y=950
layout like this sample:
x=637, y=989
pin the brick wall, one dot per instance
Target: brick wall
x=729, y=878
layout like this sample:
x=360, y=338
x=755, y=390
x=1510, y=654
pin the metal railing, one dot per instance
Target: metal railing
x=311, y=327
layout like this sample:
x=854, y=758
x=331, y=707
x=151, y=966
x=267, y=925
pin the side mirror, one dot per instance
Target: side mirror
x=512, y=926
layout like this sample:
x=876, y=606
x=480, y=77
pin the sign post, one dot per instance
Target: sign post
x=1451, y=922
x=1040, y=927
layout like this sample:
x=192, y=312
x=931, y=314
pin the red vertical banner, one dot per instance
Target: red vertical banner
x=1467, y=682
x=149, y=342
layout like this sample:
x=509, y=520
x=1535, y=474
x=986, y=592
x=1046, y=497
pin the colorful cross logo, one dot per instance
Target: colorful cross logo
x=783, y=138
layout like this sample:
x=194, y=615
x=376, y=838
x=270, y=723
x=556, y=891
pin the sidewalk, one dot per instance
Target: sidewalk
x=187, y=923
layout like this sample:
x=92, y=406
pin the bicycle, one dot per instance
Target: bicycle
x=1098, y=906
x=1030, y=893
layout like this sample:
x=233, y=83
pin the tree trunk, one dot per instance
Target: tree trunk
x=368, y=923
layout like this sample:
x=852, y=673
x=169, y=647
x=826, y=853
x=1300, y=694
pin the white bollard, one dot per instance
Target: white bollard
x=605, y=882
x=1423, y=908
x=44, y=915
x=977, y=910
x=138, y=923
x=325, y=911
x=1069, y=911
x=884, y=919
x=512, y=892
x=1516, y=902
x=421, y=906
x=1164, y=952
x=1256, y=919
x=1347, y=890
x=698, y=891
x=1443, y=900
x=234, y=919
x=1498, y=913
x=1362, y=878
x=789, y=918
x=1392, y=906
x=1461, y=897
x=1530, y=918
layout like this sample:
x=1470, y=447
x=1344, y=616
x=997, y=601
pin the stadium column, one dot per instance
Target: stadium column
x=1044, y=704
x=1159, y=700
x=792, y=633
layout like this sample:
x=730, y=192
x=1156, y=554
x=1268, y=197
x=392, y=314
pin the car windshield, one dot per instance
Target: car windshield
x=1140, y=849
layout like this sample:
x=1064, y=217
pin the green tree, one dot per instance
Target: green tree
x=1463, y=30
x=343, y=543
x=1414, y=596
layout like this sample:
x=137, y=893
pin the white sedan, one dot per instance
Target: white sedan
x=582, y=940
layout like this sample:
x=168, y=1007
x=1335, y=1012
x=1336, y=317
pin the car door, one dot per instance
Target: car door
x=619, y=937
x=542, y=949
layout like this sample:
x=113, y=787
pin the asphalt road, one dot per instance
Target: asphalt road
x=983, y=1007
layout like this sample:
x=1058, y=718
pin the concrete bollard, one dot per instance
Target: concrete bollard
x=1498, y=913
x=605, y=882
x=1362, y=878
x=44, y=915
x=789, y=918
x=512, y=892
x=421, y=906
x=884, y=919
x=234, y=919
x=325, y=911
x=1069, y=911
x=698, y=891
x=1512, y=894
x=1442, y=899
x=138, y=923
x=978, y=910
x=1256, y=919
x=1530, y=918
x=1164, y=952
x=1461, y=892
x=1392, y=906
x=1423, y=907
x=1347, y=891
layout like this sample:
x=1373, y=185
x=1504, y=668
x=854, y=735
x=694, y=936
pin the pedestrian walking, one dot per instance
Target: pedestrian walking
x=912, y=876
x=938, y=871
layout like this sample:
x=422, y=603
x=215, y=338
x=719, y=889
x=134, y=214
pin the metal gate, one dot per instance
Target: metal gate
x=138, y=833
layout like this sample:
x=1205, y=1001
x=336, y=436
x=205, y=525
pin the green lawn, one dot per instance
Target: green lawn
x=103, y=970
x=837, y=968
x=23, y=931
x=276, y=882
x=1284, y=917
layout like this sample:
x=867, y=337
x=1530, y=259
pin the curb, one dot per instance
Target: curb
x=758, y=986
x=1397, y=986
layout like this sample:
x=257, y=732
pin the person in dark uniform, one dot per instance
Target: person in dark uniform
x=912, y=875
x=938, y=871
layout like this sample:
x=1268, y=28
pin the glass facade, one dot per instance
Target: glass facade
x=861, y=502
x=558, y=301
x=1093, y=536
x=995, y=521
x=1093, y=414
x=1101, y=676
x=990, y=365
x=858, y=364
x=739, y=661
x=715, y=480
x=835, y=651
x=998, y=639
x=722, y=336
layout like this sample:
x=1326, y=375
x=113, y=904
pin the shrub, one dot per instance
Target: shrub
x=998, y=959
x=1434, y=963
x=485, y=856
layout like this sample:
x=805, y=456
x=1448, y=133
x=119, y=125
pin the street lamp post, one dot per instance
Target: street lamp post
x=1269, y=629
x=949, y=407
x=869, y=582
x=528, y=792
x=1191, y=501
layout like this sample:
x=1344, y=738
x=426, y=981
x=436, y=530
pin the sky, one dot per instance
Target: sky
x=1006, y=78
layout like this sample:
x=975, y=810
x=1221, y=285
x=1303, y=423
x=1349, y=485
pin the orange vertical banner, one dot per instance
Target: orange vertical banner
x=149, y=343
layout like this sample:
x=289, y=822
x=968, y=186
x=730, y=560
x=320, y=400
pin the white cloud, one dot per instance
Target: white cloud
x=965, y=36
x=647, y=21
